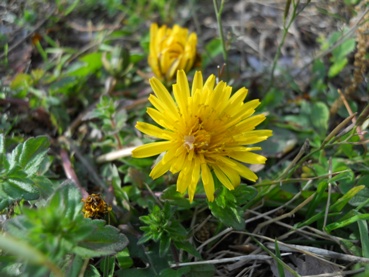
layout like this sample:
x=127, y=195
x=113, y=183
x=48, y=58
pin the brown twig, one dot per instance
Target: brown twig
x=71, y=174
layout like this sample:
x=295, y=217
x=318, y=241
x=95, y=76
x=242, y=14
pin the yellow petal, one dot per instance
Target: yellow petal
x=154, y=131
x=181, y=92
x=178, y=163
x=159, y=169
x=172, y=114
x=194, y=179
x=162, y=93
x=245, y=172
x=232, y=175
x=183, y=83
x=250, y=123
x=184, y=177
x=239, y=96
x=160, y=118
x=207, y=181
x=197, y=82
x=210, y=81
x=151, y=149
x=252, y=137
x=248, y=157
x=223, y=178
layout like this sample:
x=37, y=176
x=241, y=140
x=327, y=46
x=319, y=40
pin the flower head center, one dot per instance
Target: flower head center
x=198, y=141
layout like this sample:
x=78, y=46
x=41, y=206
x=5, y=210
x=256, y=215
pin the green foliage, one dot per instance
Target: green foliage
x=228, y=205
x=58, y=228
x=163, y=228
x=22, y=169
x=339, y=54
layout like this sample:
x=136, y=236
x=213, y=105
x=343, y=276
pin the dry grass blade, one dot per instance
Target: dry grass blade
x=320, y=252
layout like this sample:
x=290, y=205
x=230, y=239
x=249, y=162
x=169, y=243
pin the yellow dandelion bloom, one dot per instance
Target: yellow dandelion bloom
x=205, y=131
x=170, y=50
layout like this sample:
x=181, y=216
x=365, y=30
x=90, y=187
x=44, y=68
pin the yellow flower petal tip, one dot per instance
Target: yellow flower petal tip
x=171, y=49
x=205, y=133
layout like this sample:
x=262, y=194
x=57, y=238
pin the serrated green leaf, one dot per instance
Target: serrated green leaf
x=30, y=154
x=44, y=186
x=228, y=215
x=20, y=188
x=66, y=200
x=16, y=185
x=103, y=240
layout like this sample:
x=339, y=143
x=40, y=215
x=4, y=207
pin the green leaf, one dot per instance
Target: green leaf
x=341, y=202
x=103, y=240
x=286, y=268
x=320, y=117
x=21, y=81
x=66, y=200
x=345, y=48
x=30, y=154
x=124, y=259
x=278, y=255
x=169, y=272
x=2, y=144
x=226, y=210
x=343, y=223
x=107, y=266
x=88, y=65
x=164, y=245
x=175, y=198
x=19, y=187
x=27, y=252
x=188, y=247
x=364, y=238
x=244, y=194
x=92, y=271
x=337, y=67
x=213, y=49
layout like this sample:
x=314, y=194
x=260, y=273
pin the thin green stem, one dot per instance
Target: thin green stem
x=286, y=26
x=218, y=13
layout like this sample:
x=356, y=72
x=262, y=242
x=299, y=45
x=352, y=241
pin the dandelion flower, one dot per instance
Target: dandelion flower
x=170, y=50
x=205, y=131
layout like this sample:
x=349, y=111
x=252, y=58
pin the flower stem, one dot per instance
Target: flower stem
x=218, y=13
x=286, y=26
